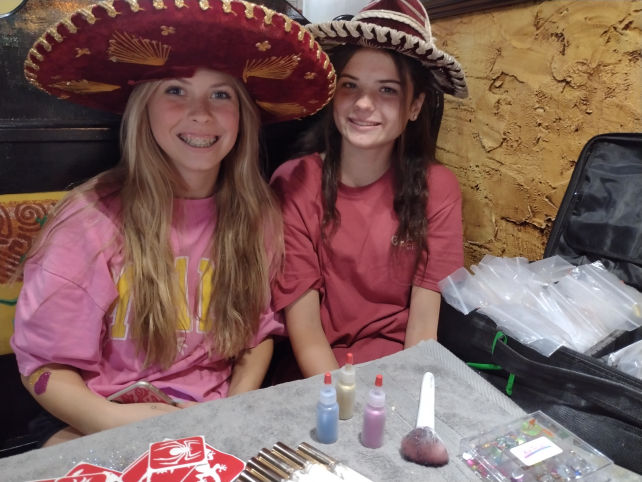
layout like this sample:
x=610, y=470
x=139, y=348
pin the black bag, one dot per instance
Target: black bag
x=600, y=218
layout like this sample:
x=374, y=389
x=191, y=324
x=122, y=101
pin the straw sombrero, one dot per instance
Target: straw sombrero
x=95, y=56
x=399, y=25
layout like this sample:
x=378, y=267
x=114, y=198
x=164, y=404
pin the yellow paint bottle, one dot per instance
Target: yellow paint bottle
x=346, y=389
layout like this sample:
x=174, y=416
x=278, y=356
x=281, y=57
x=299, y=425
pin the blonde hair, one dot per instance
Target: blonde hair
x=247, y=242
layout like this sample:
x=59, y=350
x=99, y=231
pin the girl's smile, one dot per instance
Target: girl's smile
x=195, y=140
x=361, y=123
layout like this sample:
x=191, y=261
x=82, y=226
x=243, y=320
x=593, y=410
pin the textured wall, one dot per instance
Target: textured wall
x=544, y=77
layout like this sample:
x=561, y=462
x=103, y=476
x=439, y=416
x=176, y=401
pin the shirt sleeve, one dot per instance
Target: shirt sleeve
x=56, y=322
x=270, y=324
x=299, y=195
x=67, y=290
x=445, y=252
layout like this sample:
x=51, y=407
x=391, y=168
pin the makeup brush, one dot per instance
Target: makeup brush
x=422, y=445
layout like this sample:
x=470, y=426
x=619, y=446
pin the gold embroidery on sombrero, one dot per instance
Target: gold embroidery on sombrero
x=331, y=90
x=249, y=9
x=84, y=86
x=90, y=18
x=204, y=4
x=300, y=35
x=165, y=30
x=133, y=5
x=159, y=4
x=227, y=6
x=32, y=79
x=283, y=108
x=271, y=67
x=288, y=23
x=80, y=52
x=309, y=75
x=37, y=85
x=267, y=20
x=263, y=46
x=46, y=45
x=36, y=54
x=124, y=47
x=108, y=5
x=70, y=26
x=54, y=33
x=180, y=3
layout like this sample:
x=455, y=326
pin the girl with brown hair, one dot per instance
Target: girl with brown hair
x=372, y=221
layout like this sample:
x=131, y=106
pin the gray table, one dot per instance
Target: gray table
x=465, y=405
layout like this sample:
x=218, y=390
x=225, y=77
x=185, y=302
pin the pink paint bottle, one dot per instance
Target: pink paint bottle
x=374, y=416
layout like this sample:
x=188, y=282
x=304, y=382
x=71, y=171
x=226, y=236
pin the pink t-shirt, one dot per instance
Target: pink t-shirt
x=74, y=307
x=363, y=281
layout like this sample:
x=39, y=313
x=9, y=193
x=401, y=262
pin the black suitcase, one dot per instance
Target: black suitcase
x=600, y=218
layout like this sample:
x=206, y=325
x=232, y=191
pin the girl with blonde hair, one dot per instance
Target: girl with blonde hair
x=159, y=269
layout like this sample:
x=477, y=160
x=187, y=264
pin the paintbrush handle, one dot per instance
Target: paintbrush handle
x=426, y=412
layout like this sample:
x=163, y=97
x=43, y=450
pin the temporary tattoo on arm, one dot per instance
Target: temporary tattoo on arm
x=39, y=380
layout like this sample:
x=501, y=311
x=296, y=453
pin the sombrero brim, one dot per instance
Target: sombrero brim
x=96, y=56
x=447, y=72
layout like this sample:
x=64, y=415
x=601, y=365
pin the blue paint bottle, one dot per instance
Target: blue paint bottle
x=327, y=412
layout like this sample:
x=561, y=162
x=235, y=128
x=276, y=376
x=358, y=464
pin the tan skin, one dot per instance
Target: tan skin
x=370, y=112
x=186, y=115
x=68, y=398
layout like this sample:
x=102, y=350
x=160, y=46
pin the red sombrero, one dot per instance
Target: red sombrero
x=399, y=25
x=96, y=56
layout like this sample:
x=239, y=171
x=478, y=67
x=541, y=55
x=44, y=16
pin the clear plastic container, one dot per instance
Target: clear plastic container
x=533, y=448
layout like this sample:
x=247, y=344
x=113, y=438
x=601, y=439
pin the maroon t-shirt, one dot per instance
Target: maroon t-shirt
x=364, y=282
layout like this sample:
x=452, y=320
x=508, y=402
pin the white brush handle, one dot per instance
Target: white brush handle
x=426, y=412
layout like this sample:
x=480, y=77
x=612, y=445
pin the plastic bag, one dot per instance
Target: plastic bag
x=548, y=303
